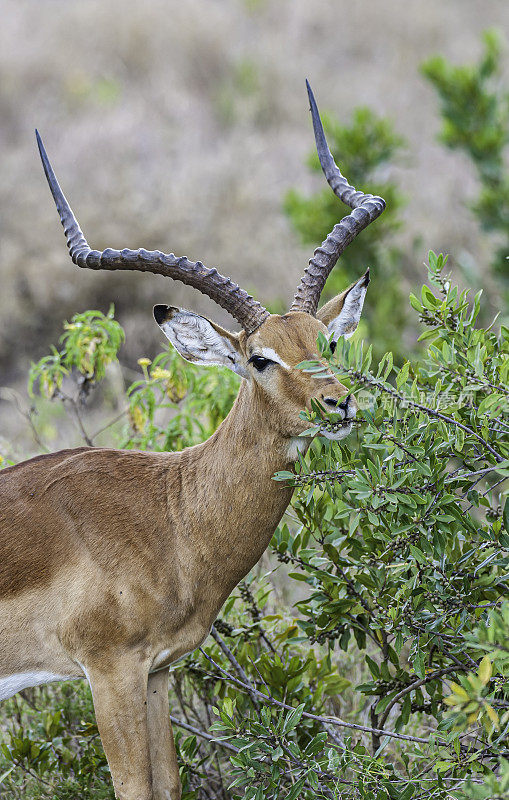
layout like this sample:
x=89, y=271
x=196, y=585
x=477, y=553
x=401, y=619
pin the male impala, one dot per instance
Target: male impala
x=113, y=564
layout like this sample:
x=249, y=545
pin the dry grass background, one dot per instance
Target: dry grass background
x=180, y=125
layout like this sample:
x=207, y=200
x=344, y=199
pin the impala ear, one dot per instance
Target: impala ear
x=343, y=312
x=199, y=340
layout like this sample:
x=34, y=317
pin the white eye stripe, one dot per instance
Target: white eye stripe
x=268, y=352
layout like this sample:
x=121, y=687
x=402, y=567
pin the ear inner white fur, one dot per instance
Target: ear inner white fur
x=348, y=318
x=195, y=338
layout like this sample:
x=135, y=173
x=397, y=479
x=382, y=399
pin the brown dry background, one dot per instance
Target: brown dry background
x=180, y=126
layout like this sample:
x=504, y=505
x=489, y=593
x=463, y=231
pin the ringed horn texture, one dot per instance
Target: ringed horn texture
x=366, y=208
x=226, y=293
x=247, y=311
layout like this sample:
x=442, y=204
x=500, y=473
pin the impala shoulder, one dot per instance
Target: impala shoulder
x=43, y=461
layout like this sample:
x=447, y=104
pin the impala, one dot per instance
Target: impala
x=113, y=564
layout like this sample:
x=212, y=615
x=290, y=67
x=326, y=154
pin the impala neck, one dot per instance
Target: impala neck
x=236, y=503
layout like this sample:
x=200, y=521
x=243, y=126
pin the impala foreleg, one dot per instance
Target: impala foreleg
x=120, y=702
x=163, y=757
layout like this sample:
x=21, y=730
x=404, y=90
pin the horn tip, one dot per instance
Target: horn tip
x=310, y=92
x=42, y=151
x=39, y=140
x=366, y=278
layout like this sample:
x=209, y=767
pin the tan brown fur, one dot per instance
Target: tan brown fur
x=116, y=563
x=109, y=558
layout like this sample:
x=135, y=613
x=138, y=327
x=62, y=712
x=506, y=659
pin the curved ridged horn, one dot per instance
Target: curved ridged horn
x=366, y=208
x=223, y=291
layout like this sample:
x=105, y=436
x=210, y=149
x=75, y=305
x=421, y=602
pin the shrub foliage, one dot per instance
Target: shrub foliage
x=475, y=120
x=367, y=656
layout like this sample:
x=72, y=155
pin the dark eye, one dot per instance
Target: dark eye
x=332, y=346
x=259, y=362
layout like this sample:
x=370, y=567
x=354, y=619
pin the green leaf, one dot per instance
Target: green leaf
x=402, y=376
x=294, y=793
x=485, y=670
x=417, y=554
x=7, y=772
x=415, y=303
x=459, y=440
x=293, y=719
x=418, y=664
x=502, y=468
x=373, y=667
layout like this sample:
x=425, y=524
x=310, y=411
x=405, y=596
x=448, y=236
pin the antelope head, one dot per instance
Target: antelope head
x=269, y=347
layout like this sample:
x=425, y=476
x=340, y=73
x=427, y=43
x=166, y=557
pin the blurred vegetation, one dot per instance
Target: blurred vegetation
x=389, y=678
x=475, y=120
x=368, y=655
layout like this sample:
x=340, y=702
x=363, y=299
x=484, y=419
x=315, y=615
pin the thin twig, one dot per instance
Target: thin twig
x=317, y=718
x=216, y=754
x=89, y=441
x=202, y=734
x=427, y=679
x=233, y=661
x=372, y=381
x=333, y=735
x=489, y=489
x=110, y=423
x=11, y=395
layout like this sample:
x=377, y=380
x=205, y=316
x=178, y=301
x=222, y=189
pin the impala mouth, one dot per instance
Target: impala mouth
x=337, y=430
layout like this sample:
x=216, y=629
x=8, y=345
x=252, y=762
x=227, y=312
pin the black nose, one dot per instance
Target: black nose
x=331, y=401
x=344, y=404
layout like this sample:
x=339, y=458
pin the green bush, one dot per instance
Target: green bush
x=475, y=113
x=367, y=656
x=379, y=666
